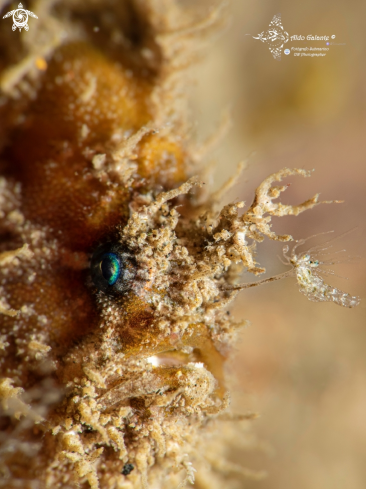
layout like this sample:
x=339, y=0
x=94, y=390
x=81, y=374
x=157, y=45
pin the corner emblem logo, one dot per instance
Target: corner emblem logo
x=275, y=37
x=20, y=18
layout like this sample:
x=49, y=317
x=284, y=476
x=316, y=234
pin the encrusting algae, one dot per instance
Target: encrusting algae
x=116, y=269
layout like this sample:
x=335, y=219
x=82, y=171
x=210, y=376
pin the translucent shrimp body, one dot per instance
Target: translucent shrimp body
x=310, y=282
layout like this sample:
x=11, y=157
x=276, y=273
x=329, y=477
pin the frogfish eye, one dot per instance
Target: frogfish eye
x=110, y=267
x=113, y=268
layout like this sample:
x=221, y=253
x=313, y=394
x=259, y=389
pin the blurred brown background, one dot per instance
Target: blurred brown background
x=301, y=365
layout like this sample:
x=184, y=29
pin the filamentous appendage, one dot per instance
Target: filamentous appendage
x=305, y=267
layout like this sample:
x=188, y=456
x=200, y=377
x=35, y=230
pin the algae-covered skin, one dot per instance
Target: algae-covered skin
x=104, y=386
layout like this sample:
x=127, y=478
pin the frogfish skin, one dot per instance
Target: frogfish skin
x=114, y=258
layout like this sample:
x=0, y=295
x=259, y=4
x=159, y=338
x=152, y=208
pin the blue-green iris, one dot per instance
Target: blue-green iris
x=110, y=267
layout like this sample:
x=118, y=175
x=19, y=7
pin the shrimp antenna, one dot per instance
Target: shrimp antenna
x=332, y=273
x=300, y=242
x=320, y=253
x=332, y=239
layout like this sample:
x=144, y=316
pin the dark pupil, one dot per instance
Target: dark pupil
x=110, y=268
x=127, y=469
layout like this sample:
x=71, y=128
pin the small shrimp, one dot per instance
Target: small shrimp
x=305, y=267
x=310, y=281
